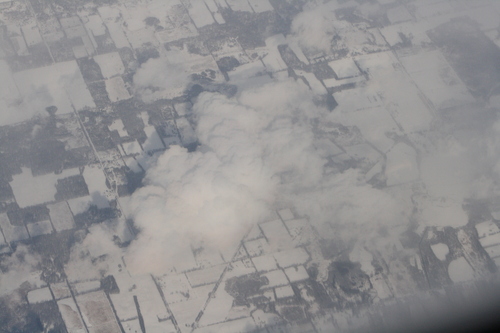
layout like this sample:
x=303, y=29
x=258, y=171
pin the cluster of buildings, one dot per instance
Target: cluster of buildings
x=75, y=138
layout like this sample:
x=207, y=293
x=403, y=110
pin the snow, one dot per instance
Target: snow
x=268, y=319
x=71, y=21
x=375, y=170
x=327, y=148
x=176, y=288
x=438, y=81
x=490, y=240
x=82, y=204
x=115, y=87
x=186, y=132
x=286, y=214
x=20, y=45
x=31, y=191
x=153, y=142
x=344, y=68
x=239, y=5
x=61, y=217
x=31, y=34
x=152, y=307
x=134, y=16
x=3, y=242
x=365, y=258
x=254, y=233
x=60, y=84
x=380, y=286
x=131, y=148
x=253, y=70
x=242, y=325
x=117, y=34
x=350, y=100
x=264, y=263
x=425, y=10
x=276, y=234
x=315, y=84
x=207, y=257
x=297, y=273
x=132, y=164
x=415, y=30
x=39, y=295
x=273, y=60
x=400, y=97
x=284, y=292
x=60, y=290
x=300, y=230
x=205, y=276
x=374, y=123
x=97, y=312
x=182, y=108
x=111, y=64
x=218, y=308
x=79, y=51
x=402, y=165
x=221, y=3
x=71, y=316
x=363, y=151
x=39, y=228
x=75, y=32
x=487, y=17
x=440, y=250
x=257, y=247
x=296, y=256
x=167, y=326
x=95, y=25
x=8, y=88
x=334, y=83
x=459, y=270
x=398, y=14
x=493, y=251
x=95, y=180
x=212, y=6
x=487, y=228
x=177, y=20
x=200, y=14
x=239, y=268
x=124, y=305
x=190, y=63
x=138, y=38
x=12, y=233
x=86, y=286
x=260, y=6
x=446, y=173
x=276, y=278
x=294, y=46
x=117, y=125
x=132, y=326
x=489, y=233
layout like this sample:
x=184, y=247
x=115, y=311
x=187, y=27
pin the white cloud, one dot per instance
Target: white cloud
x=314, y=29
x=84, y=263
x=257, y=151
x=157, y=79
x=18, y=268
